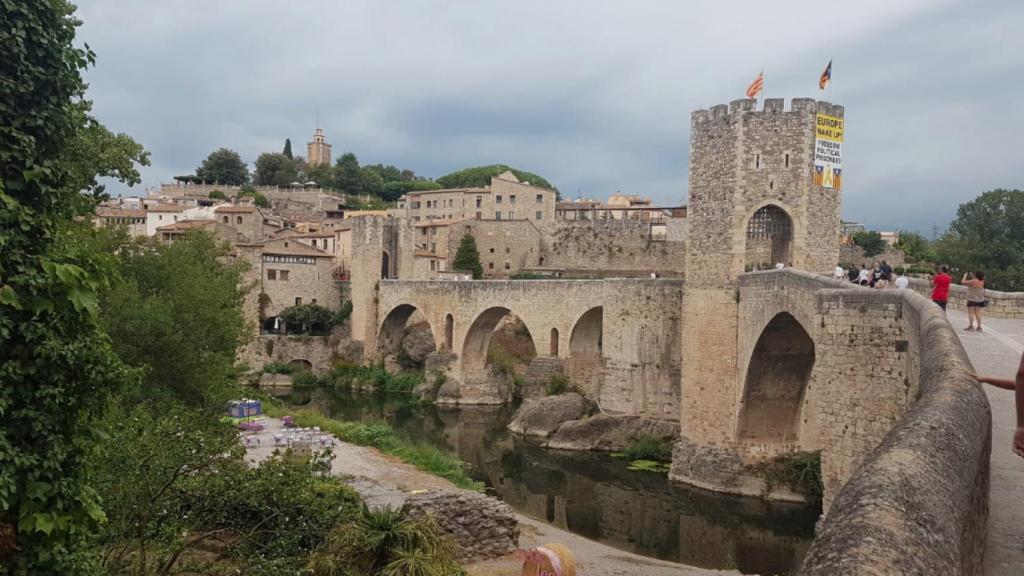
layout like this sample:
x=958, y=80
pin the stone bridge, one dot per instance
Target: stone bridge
x=618, y=340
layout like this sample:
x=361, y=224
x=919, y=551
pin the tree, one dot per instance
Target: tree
x=322, y=174
x=347, y=173
x=94, y=152
x=56, y=365
x=288, y=148
x=183, y=300
x=481, y=176
x=870, y=241
x=275, y=170
x=467, y=258
x=988, y=235
x=916, y=247
x=217, y=195
x=223, y=166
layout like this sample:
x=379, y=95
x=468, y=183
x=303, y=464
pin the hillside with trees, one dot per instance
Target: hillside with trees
x=481, y=176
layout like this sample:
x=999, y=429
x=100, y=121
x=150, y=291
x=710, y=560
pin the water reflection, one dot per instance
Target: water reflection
x=594, y=495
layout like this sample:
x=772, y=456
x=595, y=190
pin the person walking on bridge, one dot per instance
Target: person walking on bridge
x=975, y=284
x=1018, y=386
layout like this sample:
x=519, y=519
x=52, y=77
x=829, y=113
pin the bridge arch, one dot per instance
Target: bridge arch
x=478, y=339
x=777, y=376
x=392, y=329
x=586, y=347
x=300, y=364
x=769, y=237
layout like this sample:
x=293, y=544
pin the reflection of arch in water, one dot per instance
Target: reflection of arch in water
x=585, y=351
x=769, y=238
x=777, y=376
x=478, y=339
x=392, y=329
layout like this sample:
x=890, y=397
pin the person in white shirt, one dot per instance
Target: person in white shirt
x=864, y=278
x=902, y=282
x=838, y=273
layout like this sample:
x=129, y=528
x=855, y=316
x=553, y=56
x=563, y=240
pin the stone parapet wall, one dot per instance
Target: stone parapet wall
x=918, y=503
x=1000, y=304
x=624, y=245
x=479, y=526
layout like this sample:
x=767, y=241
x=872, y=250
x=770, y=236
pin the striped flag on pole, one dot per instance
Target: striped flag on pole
x=755, y=87
x=826, y=76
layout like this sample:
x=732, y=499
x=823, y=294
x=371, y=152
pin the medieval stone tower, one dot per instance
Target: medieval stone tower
x=756, y=199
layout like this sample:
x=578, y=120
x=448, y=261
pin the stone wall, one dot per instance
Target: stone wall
x=918, y=503
x=1000, y=304
x=480, y=526
x=851, y=254
x=319, y=351
x=614, y=245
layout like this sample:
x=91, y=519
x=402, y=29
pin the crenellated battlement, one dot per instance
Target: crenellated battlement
x=770, y=106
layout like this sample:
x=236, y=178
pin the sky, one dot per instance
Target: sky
x=594, y=96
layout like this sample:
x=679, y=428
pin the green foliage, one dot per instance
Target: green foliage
x=56, y=366
x=384, y=438
x=526, y=276
x=871, y=242
x=648, y=448
x=217, y=195
x=385, y=541
x=394, y=190
x=305, y=379
x=185, y=301
x=287, y=152
x=915, y=247
x=799, y=471
x=374, y=377
x=174, y=480
x=467, y=257
x=314, y=317
x=259, y=199
x=275, y=169
x=277, y=368
x=481, y=176
x=558, y=384
x=648, y=466
x=988, y=235
x=223, y=166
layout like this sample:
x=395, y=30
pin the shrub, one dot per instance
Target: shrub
x=799, y=471
x=349, y=376
x=649, y=448
x=558, y=384
x=386, y=541
x=277, y=368
x=305, y=379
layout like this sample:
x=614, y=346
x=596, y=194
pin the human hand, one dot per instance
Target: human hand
x=1018, y=441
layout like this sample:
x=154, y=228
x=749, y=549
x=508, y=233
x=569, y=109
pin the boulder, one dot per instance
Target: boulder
x=417, y=343
x=610, y=433
x=543, y=416
x=449, y=392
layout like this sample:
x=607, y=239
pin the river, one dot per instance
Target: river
x=593, y=494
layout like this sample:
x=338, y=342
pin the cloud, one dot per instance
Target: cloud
x=596, y=97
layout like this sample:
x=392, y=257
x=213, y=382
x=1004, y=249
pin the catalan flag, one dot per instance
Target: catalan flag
x=755, y=88
x=826, y=76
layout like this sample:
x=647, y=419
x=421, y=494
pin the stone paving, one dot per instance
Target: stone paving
x=996, y=351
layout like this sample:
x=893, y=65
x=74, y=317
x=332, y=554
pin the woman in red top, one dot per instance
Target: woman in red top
x=940, y=287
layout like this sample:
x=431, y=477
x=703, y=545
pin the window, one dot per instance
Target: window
x=284, y=275
x=479, y=200
x=479, y=215
x=497, y=199
x=508, y=266
x=508, y=249
x=314, y=300
x=497, y=215
x=424, y=231
x=271, y=274
x=511, y=214
x=159, y=217
x=787, y=160
x=490, y=265
x=433, y=264
x=238, y=220
x=540, y=198
x=298, y=301
x=492, y=250
x=433, y=246
x=757, y=161
x=433, y=231
x=539, y=215
x=511, y=198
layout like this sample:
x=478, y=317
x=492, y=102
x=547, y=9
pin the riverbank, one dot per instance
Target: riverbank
x=385, y=480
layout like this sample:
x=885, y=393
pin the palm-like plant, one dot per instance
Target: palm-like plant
x=386, y=541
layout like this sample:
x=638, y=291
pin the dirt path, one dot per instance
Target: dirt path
x=381, y=479
x=996, y=351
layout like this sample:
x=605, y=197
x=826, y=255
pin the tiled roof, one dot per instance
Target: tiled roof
x=277, y=248
x=183, y=225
